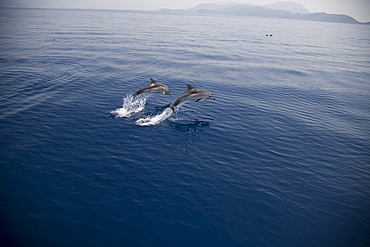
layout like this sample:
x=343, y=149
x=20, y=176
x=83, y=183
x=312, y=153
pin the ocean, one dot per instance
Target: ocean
x=280, y=158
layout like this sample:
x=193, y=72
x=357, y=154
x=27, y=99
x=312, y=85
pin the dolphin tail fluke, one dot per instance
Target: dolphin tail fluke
x=172, y=108
x=134, y=94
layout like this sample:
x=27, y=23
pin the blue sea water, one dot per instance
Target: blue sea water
x=280, y=158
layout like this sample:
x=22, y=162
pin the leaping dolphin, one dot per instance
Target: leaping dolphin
x=192, y=94
x=153, y=87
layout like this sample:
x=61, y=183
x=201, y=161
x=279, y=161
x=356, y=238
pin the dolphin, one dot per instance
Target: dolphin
x=153, y=87
x=192, y=94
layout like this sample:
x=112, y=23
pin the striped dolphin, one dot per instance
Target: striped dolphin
x=192, y=94
x=153, y=87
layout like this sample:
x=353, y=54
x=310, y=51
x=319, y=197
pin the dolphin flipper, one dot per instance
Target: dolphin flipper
x=201, y=100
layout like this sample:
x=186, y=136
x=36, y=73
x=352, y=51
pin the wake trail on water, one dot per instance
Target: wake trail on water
x=154, y=120
x=131, y=105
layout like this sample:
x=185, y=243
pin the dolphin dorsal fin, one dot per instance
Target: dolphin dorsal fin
x=153, y=81
x=189, y=86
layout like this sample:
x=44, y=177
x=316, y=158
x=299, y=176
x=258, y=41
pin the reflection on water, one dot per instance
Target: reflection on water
x=195, y=125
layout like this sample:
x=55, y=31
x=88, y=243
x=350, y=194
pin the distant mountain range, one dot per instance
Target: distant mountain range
x=286, y=10
x=227, y=7
x=11, y=4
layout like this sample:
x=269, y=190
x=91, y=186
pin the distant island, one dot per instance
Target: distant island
x=285, y=10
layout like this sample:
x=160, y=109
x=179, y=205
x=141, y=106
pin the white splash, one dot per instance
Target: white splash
x=130, y=106
x=154, y=120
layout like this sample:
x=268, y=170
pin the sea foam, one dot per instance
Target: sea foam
x=131, y=105
x=154, y=120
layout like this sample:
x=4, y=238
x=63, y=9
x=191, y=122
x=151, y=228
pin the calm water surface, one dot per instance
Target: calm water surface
x=281, y=158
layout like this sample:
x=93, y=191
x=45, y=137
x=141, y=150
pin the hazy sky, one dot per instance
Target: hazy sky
x=359, y=9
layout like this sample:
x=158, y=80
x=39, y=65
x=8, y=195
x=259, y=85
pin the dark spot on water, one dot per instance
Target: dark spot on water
x=195, y=125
